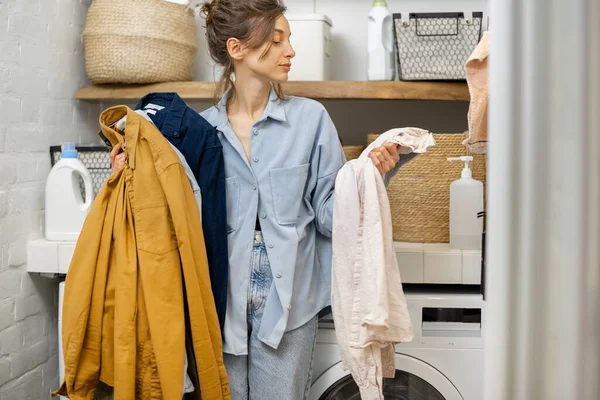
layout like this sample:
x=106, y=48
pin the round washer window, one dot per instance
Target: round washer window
x=405, y=386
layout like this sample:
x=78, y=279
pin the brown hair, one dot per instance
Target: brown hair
x=250, y=21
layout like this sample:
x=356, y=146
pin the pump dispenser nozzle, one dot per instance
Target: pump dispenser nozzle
x=466, y=172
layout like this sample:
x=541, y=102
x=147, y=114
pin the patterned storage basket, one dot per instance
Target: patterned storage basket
x=139, y=41
x=435, y=46
x=97, y=161
x=420, y=193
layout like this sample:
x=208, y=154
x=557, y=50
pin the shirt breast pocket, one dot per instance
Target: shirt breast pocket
x=232, y=189
x=287, y=187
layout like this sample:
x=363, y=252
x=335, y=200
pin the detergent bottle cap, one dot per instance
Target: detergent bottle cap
x=68, y=150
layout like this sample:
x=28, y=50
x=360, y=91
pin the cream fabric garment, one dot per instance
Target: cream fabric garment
x=368, y=304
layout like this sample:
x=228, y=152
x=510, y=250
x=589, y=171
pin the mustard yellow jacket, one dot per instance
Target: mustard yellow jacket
x=140, y=247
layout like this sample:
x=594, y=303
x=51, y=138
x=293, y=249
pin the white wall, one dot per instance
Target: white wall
x=41, y=67
x=354, y=119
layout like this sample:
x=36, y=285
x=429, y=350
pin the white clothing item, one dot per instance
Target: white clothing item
x=191, y=179
x=368, y=304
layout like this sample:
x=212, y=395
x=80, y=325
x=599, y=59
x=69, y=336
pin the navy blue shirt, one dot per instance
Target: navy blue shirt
x=197, y=140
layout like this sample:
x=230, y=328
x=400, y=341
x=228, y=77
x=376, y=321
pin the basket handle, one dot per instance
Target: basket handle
x=434, y=34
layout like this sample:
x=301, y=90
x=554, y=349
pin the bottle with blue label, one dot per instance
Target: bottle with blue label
x=66, y=209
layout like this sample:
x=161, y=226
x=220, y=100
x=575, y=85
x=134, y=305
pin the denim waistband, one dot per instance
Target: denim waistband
x=258, y=239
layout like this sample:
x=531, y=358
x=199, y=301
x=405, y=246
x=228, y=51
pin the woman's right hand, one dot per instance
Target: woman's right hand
x=117, y=157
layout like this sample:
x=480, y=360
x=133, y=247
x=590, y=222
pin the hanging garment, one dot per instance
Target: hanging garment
x=188, y=386
x=477, y=80
x=197, y=140
x=123, y=313
x=368, y=304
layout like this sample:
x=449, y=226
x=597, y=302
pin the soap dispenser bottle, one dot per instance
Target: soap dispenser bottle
x=466, y=201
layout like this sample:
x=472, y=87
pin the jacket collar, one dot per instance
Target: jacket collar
x=170, y=116
x=275, y=109
x=128, y=138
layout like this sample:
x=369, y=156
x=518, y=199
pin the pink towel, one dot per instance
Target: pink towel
x=477, y=80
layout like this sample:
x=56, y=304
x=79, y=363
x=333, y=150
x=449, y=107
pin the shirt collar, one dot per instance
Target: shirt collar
x=275, y=109
x=129, y=138
x=169, y=119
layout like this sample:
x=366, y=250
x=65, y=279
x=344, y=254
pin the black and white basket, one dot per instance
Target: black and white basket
x=435, y=46
x=97, y=161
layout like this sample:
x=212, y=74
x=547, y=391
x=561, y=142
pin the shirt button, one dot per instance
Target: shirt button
x=271, y=245
x=279, y=275
x=255, y=159
x=255, y=132
x=263, y=215
x=254, y=187
x=289, y=306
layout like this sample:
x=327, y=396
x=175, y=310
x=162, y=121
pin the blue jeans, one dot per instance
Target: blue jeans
x=266, y=373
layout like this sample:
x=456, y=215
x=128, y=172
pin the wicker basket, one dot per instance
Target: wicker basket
x=139, y=41
x=353, y=152
x=419, y=195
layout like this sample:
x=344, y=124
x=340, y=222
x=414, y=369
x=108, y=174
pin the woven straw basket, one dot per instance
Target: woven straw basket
x=420, y=193
x=139, y=41
x=353, y=152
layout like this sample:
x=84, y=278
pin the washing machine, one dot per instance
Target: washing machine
x=443, y=362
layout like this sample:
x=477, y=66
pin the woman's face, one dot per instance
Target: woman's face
x=275, y=65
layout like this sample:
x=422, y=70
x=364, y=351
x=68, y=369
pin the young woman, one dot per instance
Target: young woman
x=281, y=155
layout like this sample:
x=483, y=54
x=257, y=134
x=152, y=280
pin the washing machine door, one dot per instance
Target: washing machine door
x=415, y=380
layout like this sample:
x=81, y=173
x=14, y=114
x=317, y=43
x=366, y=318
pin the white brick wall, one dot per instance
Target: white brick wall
x=41, y=67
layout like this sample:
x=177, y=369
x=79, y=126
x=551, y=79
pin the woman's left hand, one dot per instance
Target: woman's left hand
x=385, y=157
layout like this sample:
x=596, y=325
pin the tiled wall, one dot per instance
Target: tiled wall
x=41, y=67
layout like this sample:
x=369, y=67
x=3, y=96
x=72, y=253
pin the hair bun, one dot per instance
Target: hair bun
x=208, y=9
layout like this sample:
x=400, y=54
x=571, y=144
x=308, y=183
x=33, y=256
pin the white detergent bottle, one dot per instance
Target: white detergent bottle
x=380, y=66
x=66, y=210
x=466, y=200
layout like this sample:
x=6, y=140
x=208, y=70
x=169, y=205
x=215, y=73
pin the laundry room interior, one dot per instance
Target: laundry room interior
x=299, y=199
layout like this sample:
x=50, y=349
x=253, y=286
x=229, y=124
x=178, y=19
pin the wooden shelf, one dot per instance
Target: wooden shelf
x=333, y=90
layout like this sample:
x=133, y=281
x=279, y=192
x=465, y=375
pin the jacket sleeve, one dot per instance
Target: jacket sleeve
x=327, y=158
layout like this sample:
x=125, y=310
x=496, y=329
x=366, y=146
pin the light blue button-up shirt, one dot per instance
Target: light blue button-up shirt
x=295, y=154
